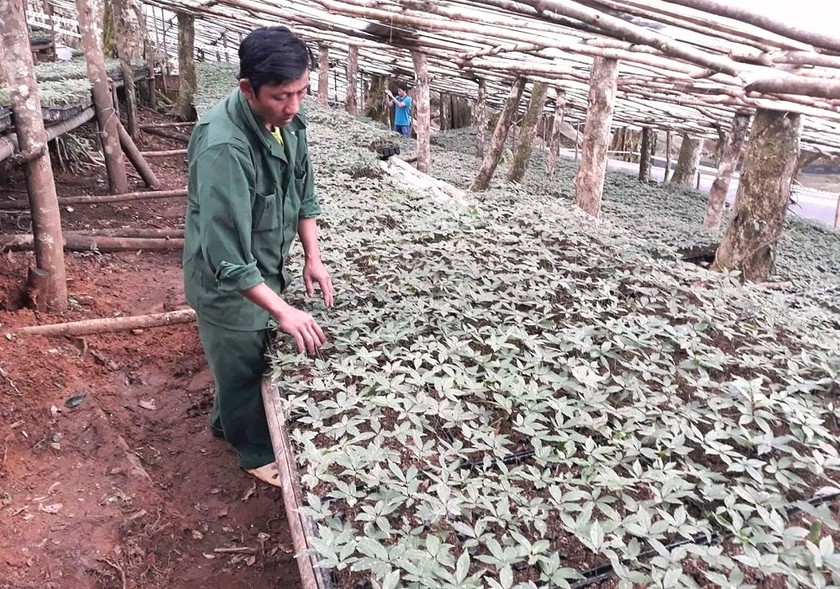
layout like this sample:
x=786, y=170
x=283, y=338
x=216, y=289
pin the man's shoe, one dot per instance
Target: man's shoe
x=267, y=474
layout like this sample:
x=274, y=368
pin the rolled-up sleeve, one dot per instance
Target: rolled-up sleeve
x=225, y=181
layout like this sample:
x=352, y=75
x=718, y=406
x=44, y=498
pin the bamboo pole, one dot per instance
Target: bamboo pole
x=589, y=182
x=136, y=159
x=106, y=119
x=107, y=325
x=18, y=69
x=12, y=205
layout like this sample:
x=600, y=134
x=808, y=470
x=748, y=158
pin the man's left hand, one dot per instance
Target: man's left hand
x=314, y=271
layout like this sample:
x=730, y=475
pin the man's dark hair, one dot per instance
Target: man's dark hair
x=402, y=86
x=273, y=55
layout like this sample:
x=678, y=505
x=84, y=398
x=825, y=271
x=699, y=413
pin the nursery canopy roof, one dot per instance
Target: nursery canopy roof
x=687, y=65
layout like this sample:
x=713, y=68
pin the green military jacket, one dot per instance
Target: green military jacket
x=245, y=197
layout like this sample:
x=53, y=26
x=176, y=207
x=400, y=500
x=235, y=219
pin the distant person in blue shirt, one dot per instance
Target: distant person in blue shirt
x=402, y=116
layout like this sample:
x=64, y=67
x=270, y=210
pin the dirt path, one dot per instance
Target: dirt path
x=109, y=476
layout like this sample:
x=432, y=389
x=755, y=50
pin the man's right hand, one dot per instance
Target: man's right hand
x=306, y=332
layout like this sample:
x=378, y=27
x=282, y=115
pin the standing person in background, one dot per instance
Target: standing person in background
x=402, y=104
x=250, y=191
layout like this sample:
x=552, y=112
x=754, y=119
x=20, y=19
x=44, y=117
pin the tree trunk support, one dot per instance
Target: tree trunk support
x=351, y=100
x=589, y=182
x=528, y=133
x=728, y=162
x=184, y=108
x=645, y=155
x=19, y=72
x=688, y=162
x=105, y=113
x=763, y=196
x=481, y=118
x=424, y=112
x=556, y=131
x=323, y=73
x=497, y=144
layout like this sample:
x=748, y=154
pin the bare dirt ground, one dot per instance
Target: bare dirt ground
x=109, y=476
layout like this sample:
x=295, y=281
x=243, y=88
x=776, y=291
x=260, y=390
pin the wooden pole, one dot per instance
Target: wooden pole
x=644, y=155
x=577, y=140
x=497, y=144
x=107, y=325
x=763, y=196
x=19, y=72
x=556, y=132
x=481, y=118
x=351, y=101
x=667, y=155
x=728, y=162
x=688, y=161
x=837, y=213
x=94, y=243
x=137, y=160
x=424, y=112
x=105, y=117
x=589, y=181
x=10, y=205
x=528, y=132
x=323, y=73
x=184, y=108
x=164, y=153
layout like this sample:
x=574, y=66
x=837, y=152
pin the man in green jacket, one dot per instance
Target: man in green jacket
x=250, y=192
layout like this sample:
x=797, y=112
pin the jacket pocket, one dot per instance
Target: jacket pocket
x=265, y=213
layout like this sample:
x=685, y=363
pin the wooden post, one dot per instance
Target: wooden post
x=645, y=155
x=323, y=73
x=351, y=101
x=837, y=213
x=589, y=181
x=18, y=70
x=688, y=161
x=445, y=112
x=763, y=195
x=424, y=111
x=105, y=117
x=137, y=159
x=667, y=155
x=184, y=108
x=728, y=162
x=481, y=118
x=491, y=159
x=556, y=131
x=528, y=132
x=577, y=140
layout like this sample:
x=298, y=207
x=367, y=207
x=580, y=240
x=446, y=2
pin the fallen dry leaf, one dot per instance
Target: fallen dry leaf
x=148, y=404
x=53, y=508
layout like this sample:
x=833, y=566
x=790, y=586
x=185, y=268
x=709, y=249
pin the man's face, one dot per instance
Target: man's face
x=401, y=92
x=276, y=104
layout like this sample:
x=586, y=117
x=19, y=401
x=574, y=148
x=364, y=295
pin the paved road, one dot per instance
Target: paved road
x=808, y=203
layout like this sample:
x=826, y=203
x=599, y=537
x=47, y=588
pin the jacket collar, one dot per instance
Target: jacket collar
x=257, y=126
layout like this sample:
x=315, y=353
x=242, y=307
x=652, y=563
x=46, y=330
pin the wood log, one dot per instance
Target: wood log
x=423, y=181
x=168, y=134
x=107, y=325
x=17, y=68
x=184, y=109
x=20, y=205
x=85, y=243
x=481, y=118
x=728, y=163
x=688, y=161
x=645, y=154
x=284, y=456
x=130, y=232
x=556, y=132
x=763, y=196
x=136, y=158
x=165, y=153
x=177, y=124
x=589, y=181
x=98, y=76
x=528, y=131
x=497, y=144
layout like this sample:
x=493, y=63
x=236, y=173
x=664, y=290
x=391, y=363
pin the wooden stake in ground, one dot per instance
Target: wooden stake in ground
x=105, y=114
x=497, y=144
x=323, y=73
x=481, y=118
x=728, y=162
x=688, y=161
x=19, y=73
x=528, y=132
x=184, y=108
x=424, y=111
x=556, y=131
x=589, y=182
x=351, y=101
x=763, y=195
